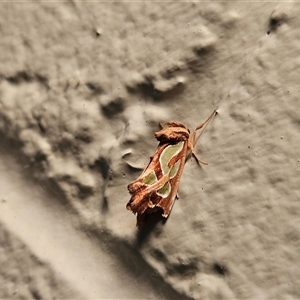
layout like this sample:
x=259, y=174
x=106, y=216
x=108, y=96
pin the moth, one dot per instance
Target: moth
x=156, y=188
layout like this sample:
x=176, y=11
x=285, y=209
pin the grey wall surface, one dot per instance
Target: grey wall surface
x=83, y=87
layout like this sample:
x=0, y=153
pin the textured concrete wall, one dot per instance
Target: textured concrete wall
x=82, y=89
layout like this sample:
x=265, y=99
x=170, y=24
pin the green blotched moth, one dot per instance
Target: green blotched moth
x=156, y=188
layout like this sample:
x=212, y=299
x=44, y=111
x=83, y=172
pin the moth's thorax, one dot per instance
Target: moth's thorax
x=173, y=132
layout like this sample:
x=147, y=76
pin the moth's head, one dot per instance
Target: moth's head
x=173, y=132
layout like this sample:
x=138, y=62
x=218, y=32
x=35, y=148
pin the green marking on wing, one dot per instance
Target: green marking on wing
x=165, y=190
x=168, y=153
x=150, y=178
x=174, y=169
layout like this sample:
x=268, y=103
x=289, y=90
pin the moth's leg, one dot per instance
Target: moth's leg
x=198, y=160
x=192, y=140
x=207, y=120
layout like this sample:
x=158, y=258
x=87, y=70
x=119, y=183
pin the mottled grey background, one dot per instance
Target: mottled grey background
x=82, y=89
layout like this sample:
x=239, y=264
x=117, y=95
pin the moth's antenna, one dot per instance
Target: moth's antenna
x=204, y=125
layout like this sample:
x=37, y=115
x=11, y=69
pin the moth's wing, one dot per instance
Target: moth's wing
x=152, y=167
x=145, y=197
x=156, y=188
x=143, y=189
x=166, y=203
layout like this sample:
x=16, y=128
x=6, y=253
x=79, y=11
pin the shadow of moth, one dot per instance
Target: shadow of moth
x=156, y=188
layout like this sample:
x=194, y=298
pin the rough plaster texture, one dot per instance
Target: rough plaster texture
x=24, y=276
x=82, y=88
